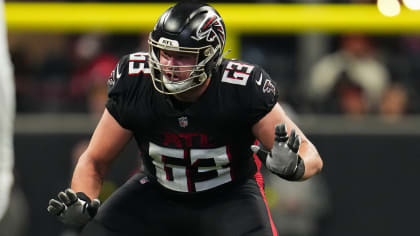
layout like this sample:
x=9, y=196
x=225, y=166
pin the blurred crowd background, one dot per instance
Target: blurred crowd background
x=336, y=74
x=352, y=74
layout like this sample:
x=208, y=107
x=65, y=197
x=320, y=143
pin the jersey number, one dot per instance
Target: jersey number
x=237, y=73
x=190, y=170
x=137, y=64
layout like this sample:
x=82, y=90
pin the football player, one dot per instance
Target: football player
x=194, y=116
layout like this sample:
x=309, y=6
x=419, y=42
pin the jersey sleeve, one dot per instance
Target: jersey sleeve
x=262, y=95
x=119, y=90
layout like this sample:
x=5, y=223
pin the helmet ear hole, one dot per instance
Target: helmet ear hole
x=208, y=52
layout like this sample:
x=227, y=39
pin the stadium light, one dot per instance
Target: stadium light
x=412, y=4
x=389, y=7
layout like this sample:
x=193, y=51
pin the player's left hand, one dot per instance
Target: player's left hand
x=283, y=157
x=74, y=209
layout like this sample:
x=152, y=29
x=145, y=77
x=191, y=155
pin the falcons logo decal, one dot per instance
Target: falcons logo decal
x=269, y=87
x=211, y=28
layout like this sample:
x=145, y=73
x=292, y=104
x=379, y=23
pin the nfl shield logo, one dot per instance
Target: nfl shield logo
x=144, y=180
x=183, y=121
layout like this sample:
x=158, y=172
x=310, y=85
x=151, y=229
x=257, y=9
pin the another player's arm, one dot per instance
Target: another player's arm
x=106, y=143
x=264, y=131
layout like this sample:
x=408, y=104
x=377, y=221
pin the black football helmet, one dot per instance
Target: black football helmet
x=190, y=28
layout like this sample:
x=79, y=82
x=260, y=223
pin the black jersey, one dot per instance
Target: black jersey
x=192, y=147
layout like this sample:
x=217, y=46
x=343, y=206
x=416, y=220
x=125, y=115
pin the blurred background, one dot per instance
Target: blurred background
x=347, y=74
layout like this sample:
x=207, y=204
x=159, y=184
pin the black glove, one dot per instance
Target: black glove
x=283, y=159
x=74, y=209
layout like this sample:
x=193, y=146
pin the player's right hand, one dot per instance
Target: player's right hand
x=74, y=209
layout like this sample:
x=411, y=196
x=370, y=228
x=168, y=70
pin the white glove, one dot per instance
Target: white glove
x=283, y=157
x=74, y=209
